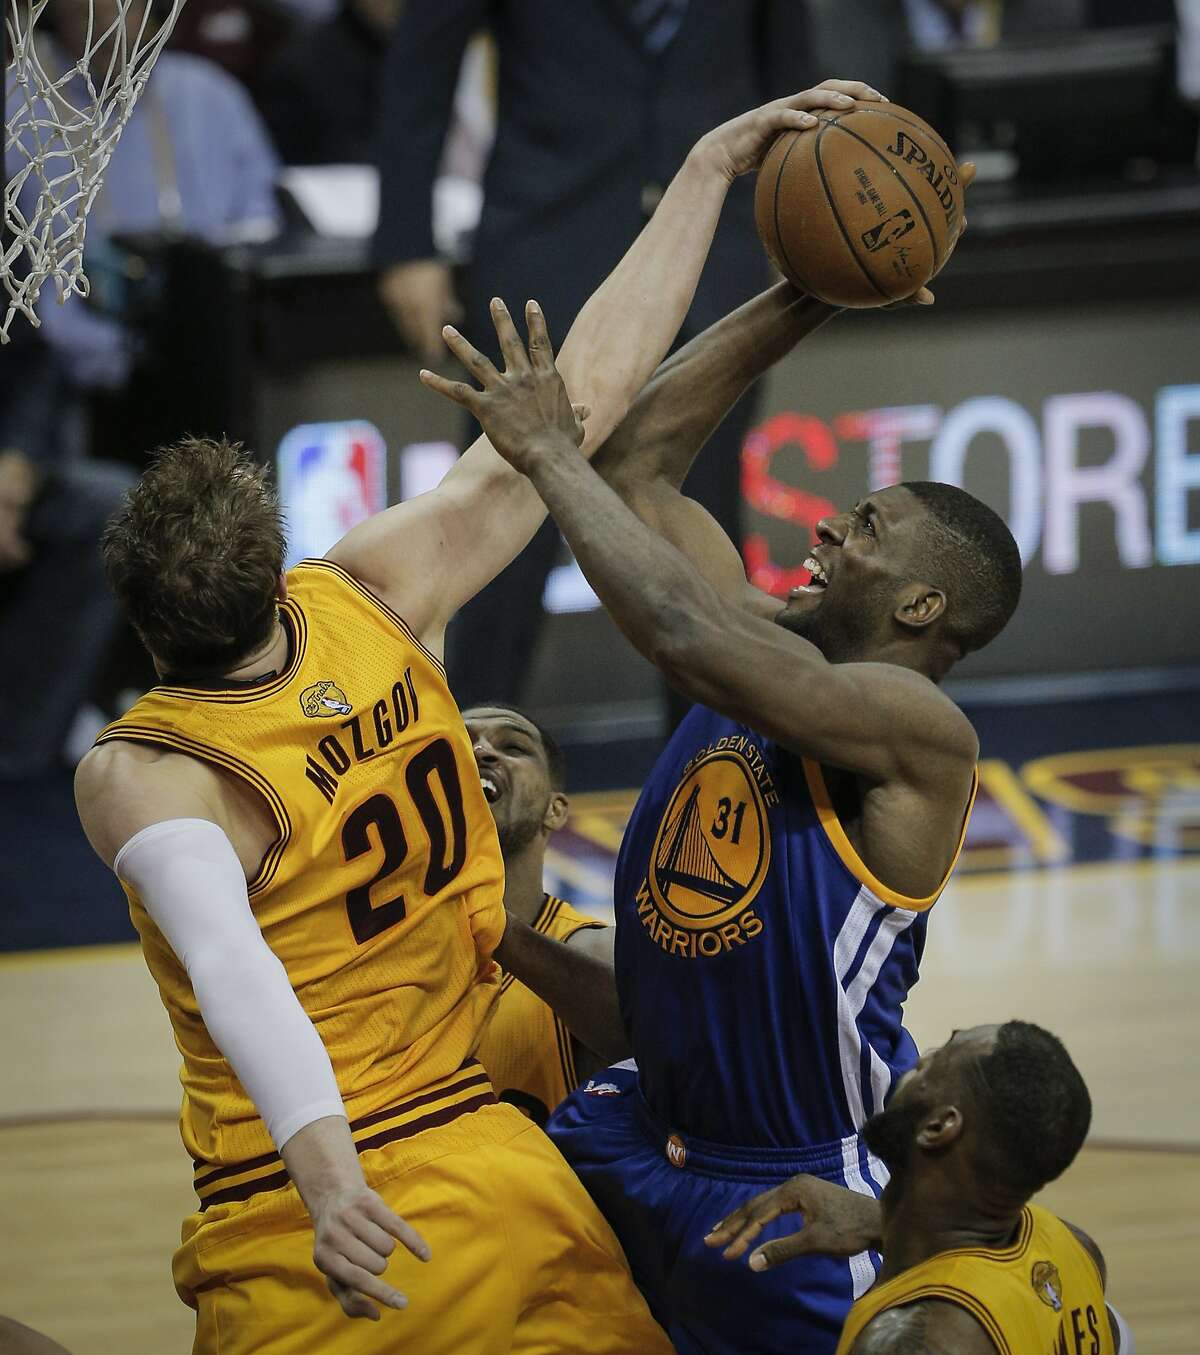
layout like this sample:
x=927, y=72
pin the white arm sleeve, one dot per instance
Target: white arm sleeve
x=190, y=881
x=1124, y=1342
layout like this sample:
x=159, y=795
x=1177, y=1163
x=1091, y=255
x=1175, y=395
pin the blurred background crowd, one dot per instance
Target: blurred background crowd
x=434, y=153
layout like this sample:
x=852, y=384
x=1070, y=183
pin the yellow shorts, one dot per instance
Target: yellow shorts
x=522, y=1259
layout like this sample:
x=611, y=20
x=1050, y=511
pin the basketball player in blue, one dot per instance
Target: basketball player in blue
x=775, y=880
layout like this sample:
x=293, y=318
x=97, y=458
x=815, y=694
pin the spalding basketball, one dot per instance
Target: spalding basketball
x=862, y=210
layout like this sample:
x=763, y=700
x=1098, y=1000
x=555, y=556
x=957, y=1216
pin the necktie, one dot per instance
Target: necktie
x=658, y=22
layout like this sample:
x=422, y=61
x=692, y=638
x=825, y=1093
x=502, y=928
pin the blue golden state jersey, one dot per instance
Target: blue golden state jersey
x=762, y=969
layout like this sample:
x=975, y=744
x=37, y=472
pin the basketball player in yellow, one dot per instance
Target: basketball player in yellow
x=970, y=1267
x=536, y=1054
x=298, y=822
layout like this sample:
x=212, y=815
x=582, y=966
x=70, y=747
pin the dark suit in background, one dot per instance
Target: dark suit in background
x=319, y=95
x=591, y=125
x=57, y=615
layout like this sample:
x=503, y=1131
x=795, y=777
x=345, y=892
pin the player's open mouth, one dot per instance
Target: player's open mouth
x=491, y=788
x=820, y=579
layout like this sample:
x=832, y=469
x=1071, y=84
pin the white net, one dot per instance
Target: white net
x=67, y=98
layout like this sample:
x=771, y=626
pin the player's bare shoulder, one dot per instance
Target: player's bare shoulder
x=928, y=1327
x=924, y=719
x=112, y=782
x=122, y=787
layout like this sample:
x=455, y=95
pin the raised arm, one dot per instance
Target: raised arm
x=430, y=555
x=648, y=457
x=879, y=720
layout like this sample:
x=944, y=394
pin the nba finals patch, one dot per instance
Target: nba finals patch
x=602, y=1089
x=1047, y=1285
x=323, y=701
x=711, y=854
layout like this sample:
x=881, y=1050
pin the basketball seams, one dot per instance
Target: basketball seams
x=791, y=200
x=827, y=123
x=922, y=127
x=779, y=241
x=900, y=179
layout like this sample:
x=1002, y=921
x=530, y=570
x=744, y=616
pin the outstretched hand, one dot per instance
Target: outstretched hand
x=524, y=410
x=924, y=297
x=739, y=145
x=836, y=1222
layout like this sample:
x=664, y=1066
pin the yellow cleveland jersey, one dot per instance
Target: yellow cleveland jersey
x=382, y=893
x=526, y=1049
x=1040, y=1296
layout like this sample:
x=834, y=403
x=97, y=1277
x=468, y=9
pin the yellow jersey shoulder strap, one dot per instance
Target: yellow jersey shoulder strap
x=960, y=1277
x=558, y=920
x=327, y=572
x=1029, y=1297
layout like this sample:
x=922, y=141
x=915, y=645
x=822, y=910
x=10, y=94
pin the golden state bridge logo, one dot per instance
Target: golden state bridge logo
x=710, y=855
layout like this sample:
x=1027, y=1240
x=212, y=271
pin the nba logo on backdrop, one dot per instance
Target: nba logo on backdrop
x=331, y=477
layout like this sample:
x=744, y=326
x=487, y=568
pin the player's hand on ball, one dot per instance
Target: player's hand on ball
x=837, y=1222
x=738, y=146
x=524, y=410
x=924, y=297
x=355, y=1233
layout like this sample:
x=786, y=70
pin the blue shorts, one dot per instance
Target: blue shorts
x=662, y=1193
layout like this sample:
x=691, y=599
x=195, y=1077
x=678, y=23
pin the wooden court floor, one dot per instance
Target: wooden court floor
x=93, y=1181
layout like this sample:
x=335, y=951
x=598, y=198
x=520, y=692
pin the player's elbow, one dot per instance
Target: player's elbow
x=224, y=976
x=685, y=645
x=608, y=399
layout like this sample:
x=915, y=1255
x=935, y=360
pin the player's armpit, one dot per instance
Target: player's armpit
x=927, y=1327
x=697, y=535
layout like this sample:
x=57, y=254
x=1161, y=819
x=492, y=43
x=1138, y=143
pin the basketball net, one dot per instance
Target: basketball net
x=62, y=122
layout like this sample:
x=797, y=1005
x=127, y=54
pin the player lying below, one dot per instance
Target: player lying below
x=313, y=870
x=533, y=1055
x=775, y=880
x=970, y=1267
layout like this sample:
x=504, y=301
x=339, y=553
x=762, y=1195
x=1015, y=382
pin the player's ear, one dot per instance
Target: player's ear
x=556, y=812
x=919, y=605
x=281, y=587
x=940, y=1128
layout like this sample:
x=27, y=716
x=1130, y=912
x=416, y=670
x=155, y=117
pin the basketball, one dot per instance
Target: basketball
x=862, y=211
